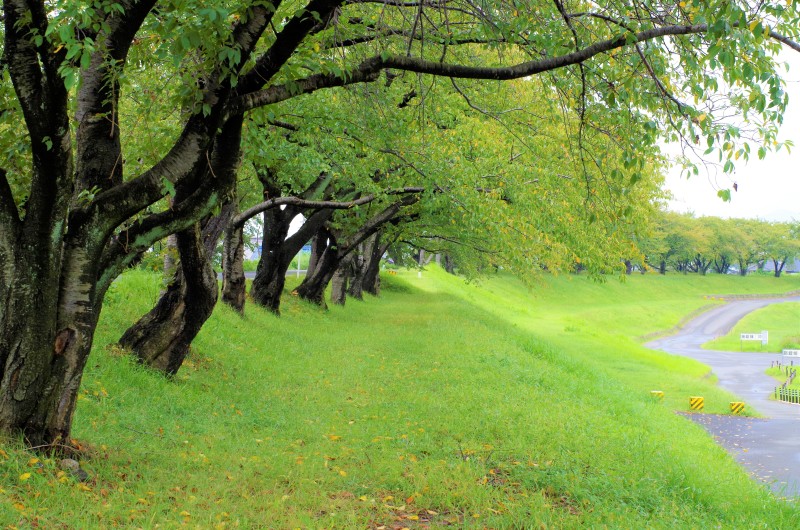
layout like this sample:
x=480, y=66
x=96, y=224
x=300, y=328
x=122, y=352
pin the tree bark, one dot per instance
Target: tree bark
x=340, y=279
x=233, y=278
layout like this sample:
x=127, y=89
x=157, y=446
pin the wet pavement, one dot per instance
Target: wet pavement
x=768, y=447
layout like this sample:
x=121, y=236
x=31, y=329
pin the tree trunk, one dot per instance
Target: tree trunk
x=356, y=268
x=162, y=338
x=778, y=266
x=449, y=264
x=662, y=267
x=271, y=271
x=279, y=252
x=233, y=279
x=743, y=268
x=343, y=273
x=374, y=251
x=44, y=346
x=318, y=245
x=313, y=286
x=628, y=267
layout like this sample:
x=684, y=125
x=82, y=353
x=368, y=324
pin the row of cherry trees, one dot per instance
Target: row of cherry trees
x=518, y=132
x=685, y=243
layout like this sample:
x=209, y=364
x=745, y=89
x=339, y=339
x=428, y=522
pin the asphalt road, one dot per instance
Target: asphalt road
x=770, y=447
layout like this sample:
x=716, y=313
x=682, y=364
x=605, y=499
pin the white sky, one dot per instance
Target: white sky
x=768, y=189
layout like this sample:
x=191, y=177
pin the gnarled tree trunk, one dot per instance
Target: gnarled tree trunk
x=162, y=338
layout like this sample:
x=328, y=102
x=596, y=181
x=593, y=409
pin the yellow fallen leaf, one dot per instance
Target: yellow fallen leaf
x=25, y=476
x=33, y=461
x=184, y=513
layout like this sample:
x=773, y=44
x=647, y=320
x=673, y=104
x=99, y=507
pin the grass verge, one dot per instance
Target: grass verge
x=438, y=405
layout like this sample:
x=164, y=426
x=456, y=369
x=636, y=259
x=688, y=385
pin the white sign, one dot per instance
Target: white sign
x=763, y=336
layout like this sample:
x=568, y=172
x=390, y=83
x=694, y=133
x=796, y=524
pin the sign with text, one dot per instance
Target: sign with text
x=763, y=336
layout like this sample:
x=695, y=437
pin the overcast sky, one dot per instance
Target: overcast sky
x=767, y=189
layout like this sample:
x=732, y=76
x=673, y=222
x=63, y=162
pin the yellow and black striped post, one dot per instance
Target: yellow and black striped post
x=737, y=407
x=696, y=403
x=657, y=394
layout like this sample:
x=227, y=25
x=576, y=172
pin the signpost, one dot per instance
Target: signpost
x=763, y=337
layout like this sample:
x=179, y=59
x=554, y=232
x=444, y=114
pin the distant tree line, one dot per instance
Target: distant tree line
x=685, y=243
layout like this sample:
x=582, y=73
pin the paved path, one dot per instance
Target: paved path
x=769, y=448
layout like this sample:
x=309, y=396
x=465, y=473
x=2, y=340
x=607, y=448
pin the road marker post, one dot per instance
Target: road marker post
x=696, y=402
x=737, y=407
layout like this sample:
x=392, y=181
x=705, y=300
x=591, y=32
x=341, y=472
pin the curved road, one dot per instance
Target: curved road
x=769, y=448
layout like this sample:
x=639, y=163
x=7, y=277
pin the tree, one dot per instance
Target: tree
x=745, y=242
x=781, y=244
x=76, y=211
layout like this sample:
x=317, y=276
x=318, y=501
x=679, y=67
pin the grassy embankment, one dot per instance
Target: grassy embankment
x=781, y=320
x=437, y=404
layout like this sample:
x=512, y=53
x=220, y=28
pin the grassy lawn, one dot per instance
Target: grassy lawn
x=439, y=404
x=781, y=320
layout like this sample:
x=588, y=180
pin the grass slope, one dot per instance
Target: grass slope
x=781, y=320
x=439, y=404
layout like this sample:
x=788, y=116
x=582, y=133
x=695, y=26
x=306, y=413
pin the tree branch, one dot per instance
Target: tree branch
x=98, y=148
x=287, y=41
x=126, y=246
x=244, y=216
x=189, y=154
x=387, y=215
x=369, y=69
x=277, y=93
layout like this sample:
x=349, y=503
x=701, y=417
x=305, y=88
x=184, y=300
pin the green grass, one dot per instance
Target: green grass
x=439, y=404
x=781, y=374
x=781, y=320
